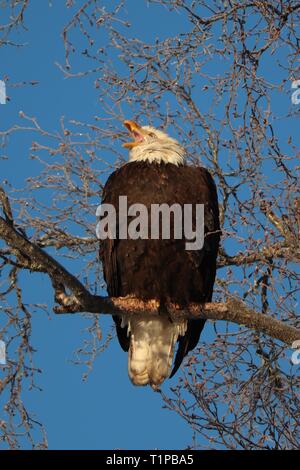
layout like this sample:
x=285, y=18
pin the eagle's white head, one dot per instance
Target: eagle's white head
x=152, y=145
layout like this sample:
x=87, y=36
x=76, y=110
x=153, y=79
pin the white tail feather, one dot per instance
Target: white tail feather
x=152, y=344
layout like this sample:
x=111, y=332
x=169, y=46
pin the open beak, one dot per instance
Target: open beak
x=136, y=132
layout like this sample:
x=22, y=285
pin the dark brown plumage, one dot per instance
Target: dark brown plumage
x=162, y=269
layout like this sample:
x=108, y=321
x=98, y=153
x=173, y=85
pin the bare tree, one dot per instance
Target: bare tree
x=215, y=82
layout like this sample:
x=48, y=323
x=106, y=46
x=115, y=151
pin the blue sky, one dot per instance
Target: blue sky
x=106, y=411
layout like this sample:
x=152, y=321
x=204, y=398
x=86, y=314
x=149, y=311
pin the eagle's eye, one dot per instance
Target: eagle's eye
x=151, y=134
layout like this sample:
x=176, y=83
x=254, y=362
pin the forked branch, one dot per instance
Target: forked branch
x=79, y=299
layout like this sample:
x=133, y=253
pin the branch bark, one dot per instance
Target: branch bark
x=31, y=257
x=233, y=310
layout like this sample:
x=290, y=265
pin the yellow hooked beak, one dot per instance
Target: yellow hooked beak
x=136, y=132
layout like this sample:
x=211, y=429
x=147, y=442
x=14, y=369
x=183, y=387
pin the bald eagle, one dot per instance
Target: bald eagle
x=161, y=269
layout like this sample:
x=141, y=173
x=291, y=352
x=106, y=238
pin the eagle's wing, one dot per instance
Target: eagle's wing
x=204, y=183
x=108, y=256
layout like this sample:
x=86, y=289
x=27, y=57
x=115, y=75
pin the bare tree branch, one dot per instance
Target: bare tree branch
x=82, y=300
